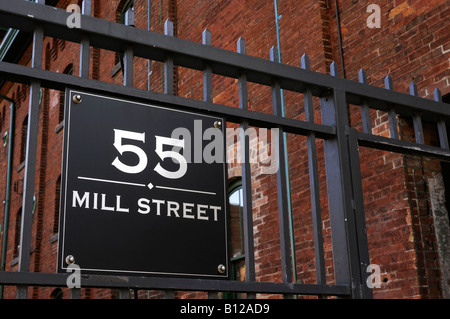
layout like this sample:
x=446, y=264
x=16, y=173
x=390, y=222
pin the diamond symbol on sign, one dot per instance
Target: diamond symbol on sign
x=150, y=185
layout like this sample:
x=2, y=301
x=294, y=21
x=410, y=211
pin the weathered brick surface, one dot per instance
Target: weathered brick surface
x=413, y=44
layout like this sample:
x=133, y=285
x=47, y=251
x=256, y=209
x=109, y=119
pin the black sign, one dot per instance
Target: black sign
x=143, y=190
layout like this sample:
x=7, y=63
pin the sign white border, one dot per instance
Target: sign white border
x=65, y=169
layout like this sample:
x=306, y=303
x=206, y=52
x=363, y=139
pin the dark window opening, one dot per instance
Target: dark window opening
x=23, y=142
x=57, y=293
x=56, y=211
x=235, y=199
x=445, y=166
x=17, y=233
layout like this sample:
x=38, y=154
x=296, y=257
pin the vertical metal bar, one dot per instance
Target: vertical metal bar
x=207, y=71
x=75, y=293
x=441, y=126
x=84, y=57
x=392, y=115
x=338, y=27
x=87, y=7
x=169, y=294
x=417, y=119
x=168, y=64
x=286, y=265
x=30, y=161
x=149, y=72
x=314, y=183
x=213, y=295
x=246, y=179
x=277, y=27
x=9, y=171
x=128, y=54
x=363, y=247
x=168, y=79
x=339, y=185
x=335, y=192
x=309, y=108
x=367, y=125
x=286, y=164
x=124, y=293
x=84, y=44
x=128, y=67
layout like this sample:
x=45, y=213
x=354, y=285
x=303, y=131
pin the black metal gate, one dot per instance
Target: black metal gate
x=349, y=240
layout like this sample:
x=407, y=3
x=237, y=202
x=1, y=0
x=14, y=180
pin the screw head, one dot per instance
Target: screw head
x=221, y=269
x=77, y=98
x=70, y=260
x=218, y=124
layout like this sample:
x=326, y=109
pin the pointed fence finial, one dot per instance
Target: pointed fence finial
x=168, y=27
x=413, y=89
x=241, y=45
x=362, y=76
x=437, y=95
x=334, y=69
x=274, y=54
x=388, y=82
x=305, y=62
x=441, y=125
x=206, y=37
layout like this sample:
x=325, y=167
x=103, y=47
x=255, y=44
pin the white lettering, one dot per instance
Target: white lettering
x=95, y=201
x=119, y=135
x=215, y=209
x=118, y=208
x=172, y=207
x=191, y=309
x=201, y=211
x=104, y=207
x=187, y=210
x=158, y=203
x=76, y=199
x=177, y=157
x=114, y=203
x=144, y=204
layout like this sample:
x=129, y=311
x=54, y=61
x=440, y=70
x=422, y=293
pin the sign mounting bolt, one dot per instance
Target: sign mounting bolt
x=218, y=124
x=221, y=269
x=77, y=98
x=70, y=260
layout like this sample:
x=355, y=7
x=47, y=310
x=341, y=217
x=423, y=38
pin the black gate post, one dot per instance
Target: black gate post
x=359, y=215
x=346, y=257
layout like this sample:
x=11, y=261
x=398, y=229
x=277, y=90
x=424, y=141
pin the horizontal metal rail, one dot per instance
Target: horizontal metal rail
x=399, y=146
x=53, y=80
x=154, y=46
x=156, y=283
